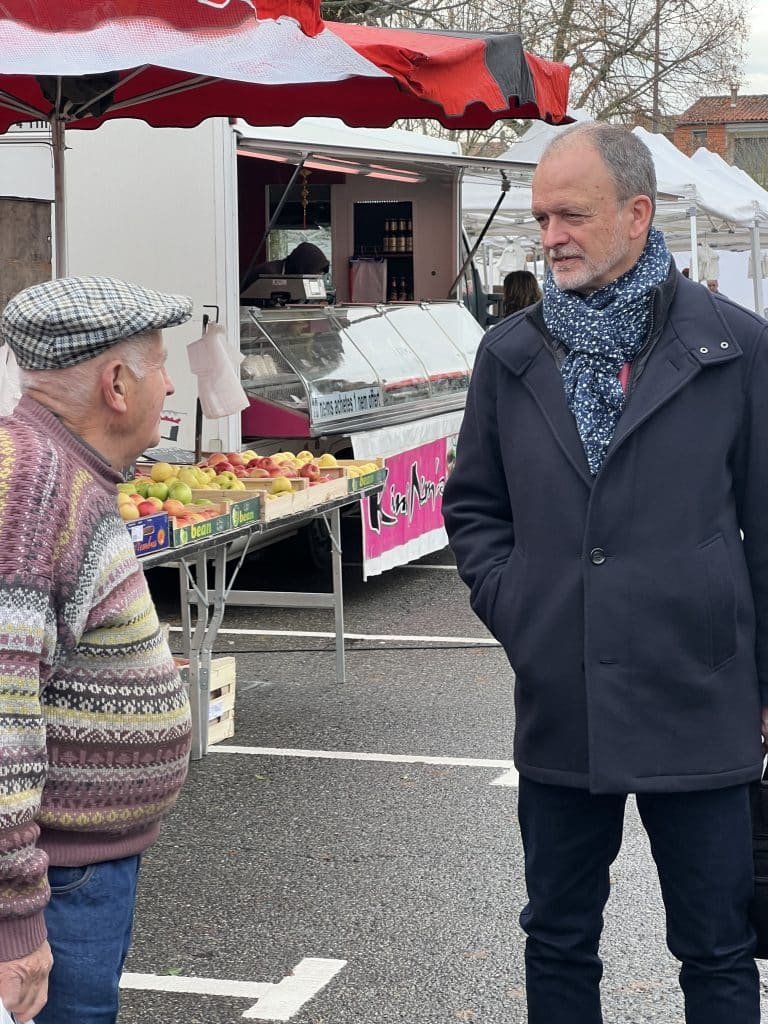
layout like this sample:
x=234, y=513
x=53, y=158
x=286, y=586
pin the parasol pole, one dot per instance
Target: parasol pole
x=59, y=184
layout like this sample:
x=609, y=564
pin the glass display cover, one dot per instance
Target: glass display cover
x=403, y=376
x=447, y=368
x=359, y=363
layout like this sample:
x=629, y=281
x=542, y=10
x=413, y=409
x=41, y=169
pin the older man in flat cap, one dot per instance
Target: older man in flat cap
x=94, y=721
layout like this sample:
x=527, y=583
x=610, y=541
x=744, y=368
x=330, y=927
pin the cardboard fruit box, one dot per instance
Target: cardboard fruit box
x=377, y=476
x=184, y=533
x=244, y=507
x=221, y=696
x=149, y=533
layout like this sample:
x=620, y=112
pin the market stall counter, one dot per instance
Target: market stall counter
x=387, y=381
x=203, y=603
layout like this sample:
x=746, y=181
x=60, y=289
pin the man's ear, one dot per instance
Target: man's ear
x=113, y=386
x=641, y=209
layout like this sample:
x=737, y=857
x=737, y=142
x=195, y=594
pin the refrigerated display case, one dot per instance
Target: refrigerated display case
x=369, y=381
x=336, y=370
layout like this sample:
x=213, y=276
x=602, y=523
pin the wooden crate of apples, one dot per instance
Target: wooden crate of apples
x=289, y=483
x=166, y=488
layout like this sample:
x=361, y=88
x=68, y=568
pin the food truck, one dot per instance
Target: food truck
x=368, y=354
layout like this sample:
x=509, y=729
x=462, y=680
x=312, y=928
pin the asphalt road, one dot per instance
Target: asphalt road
x=403, y=879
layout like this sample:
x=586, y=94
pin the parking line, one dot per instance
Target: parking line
x=280, y=1000
x=508, y=778
x=480, y=641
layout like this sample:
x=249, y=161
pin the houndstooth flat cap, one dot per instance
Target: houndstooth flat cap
x=71, y=319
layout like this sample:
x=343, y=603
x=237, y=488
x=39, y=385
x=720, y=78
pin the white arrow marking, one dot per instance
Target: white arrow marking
x=289, y=995
x=276, y=1001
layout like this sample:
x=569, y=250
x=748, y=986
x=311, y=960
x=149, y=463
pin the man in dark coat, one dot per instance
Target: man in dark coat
x=609, y=511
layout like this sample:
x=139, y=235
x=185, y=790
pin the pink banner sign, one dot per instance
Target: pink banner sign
x=411, y=502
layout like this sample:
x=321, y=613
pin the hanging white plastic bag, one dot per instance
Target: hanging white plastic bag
x=217, y=368
x=10, y=393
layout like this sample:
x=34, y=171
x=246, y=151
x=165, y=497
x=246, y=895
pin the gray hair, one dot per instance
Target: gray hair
x=77, y=382
x=626, y=157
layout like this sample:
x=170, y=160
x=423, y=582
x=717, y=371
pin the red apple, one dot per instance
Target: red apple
x=267, y=463
x=235, y=459
x=276, y=471
x=240, y=470
x=253, y=463
x=222, y=467
x=149, y=506
x=257, y=473
x=310, y=470
x=216, y=457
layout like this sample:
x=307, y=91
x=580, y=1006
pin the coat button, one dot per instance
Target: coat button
x=597, y=556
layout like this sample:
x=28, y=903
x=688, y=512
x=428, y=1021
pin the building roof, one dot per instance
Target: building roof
x=725, y=110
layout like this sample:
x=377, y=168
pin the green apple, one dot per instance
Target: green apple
x=157, y=489
x=142, y=485
x=180, y=491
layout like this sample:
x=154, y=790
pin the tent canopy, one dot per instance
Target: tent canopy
x=728, y=201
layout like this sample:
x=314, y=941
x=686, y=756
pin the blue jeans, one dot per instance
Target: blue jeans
x=89, y=921
x=701, y=843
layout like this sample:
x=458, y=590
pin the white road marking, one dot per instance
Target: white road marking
x=481, y=641
x=289, y=995
x=276, y=1001
x=444, y=568
x=509, y=778
x=195, y=986
x=358, y=755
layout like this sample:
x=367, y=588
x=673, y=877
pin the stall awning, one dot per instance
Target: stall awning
x=384, y=153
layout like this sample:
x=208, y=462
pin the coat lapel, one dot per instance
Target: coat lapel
x=535, y=364
x=693, y=338
x=672, y=364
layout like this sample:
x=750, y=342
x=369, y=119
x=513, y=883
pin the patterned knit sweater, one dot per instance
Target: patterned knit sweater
x=94, y=721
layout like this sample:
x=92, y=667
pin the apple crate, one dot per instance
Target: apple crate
x=377, y=476
x=185, y=533
x=244, y=507
x=221, y=696
x=149, y=533
x=284, y=504
x=327, y=490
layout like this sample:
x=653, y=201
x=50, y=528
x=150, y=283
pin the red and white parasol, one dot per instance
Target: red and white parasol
x=174, y=63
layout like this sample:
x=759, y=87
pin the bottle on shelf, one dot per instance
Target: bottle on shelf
x=386, y=244
x=409, y=236
x=403, y=293
x=393, y=292
x=401, y=235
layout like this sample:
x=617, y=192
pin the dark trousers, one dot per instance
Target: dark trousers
x=701, y=843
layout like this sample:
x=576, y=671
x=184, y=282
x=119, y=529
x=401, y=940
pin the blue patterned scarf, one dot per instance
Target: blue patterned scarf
x=602, y=332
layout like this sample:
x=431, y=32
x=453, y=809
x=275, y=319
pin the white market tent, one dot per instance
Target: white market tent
x=701, y=200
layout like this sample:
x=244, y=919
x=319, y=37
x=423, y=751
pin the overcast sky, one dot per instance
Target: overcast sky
x=756, y=70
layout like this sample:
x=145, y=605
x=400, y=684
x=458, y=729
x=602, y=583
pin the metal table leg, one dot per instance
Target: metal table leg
x=303, y=599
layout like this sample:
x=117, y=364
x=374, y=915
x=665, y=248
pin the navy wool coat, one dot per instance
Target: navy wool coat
x=633, y=606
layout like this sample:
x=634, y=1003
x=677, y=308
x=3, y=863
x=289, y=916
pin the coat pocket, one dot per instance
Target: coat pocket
x=504, y=611
x=721, y=601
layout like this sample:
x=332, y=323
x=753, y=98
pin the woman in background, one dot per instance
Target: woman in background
x=521, y=289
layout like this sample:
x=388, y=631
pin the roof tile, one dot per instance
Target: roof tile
x=725, y=110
